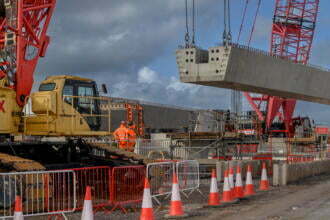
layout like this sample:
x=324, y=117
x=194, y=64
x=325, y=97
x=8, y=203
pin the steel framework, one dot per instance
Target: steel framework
x=23, y=40
x=130, y=108
x=292, y=36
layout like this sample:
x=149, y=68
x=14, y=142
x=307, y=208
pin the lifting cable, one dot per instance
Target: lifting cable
x=187, y=35
x=226, y=20
x=254, y=22
x=193, y=23
x=243, y=21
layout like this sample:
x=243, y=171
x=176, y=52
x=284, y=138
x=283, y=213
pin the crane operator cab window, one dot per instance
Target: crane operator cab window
x=68, y=94
x=47, y=87
x=82, y=95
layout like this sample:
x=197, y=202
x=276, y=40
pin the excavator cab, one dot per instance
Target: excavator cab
x=66, y=106
x=84, y=104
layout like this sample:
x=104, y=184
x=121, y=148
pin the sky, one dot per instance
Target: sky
x=130, y=46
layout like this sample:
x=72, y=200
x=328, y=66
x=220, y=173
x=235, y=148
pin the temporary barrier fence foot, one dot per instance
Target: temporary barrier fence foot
x=58, y=217
x=118, y=207
x=185, y=195
x=201, y=193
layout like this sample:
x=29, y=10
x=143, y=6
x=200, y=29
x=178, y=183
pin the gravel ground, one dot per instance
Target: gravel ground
x=309, y=199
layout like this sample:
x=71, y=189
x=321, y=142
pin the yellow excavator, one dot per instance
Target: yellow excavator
x=62, y=124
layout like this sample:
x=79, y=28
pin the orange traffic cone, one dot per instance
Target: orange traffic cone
x=176, y=208
x=231, y=182
x=227, y=197
x=18, y=214
x=249, y=188
x=147, y=211
x=264, y=183
x=239, y=192
x=214, y=197
x=87, y=213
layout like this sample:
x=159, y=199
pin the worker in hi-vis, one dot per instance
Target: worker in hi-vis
x=121, y=136
x=131, y=134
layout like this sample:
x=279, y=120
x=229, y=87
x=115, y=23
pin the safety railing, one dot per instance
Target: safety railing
x=188, y=175
x=127, y=185
x=160, y=176
x=205, y=171
x=71, y=109
x=153, y=148
x=99, y=178
x=300, y=158
x=88, y=107
x=46, y=192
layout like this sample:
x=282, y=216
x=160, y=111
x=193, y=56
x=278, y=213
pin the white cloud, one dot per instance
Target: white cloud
x=151, y=86
x=178, y=86
x=147, y=75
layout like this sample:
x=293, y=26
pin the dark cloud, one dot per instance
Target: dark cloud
x=113, y=36
x=116, y=42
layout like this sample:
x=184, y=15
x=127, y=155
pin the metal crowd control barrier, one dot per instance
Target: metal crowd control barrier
x=127, y=186
x=45, y=192
x=160, y=177
x=99, y=178
x=188, y=176
x=300, y=158
x=150, y=148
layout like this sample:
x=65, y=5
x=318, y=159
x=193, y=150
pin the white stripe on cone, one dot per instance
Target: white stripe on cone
x=87, y=213
x=264, y=174
x=249, y=178
x=226, y=186
x=18, y=216
x=175, y=193
x=231, y=181
x=238, y=180
x=146, y=202
x=214, y=186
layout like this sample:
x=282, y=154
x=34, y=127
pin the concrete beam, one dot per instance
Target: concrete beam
x=251, y=70
x=284, y=174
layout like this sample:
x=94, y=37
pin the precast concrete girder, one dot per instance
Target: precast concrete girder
x=250, y=70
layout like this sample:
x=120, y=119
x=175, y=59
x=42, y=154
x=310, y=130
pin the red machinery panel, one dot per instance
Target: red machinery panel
x=292, y=36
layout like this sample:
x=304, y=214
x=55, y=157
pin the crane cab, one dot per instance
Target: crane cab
x=66, y=106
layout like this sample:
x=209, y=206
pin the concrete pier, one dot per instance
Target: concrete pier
x=251, y=70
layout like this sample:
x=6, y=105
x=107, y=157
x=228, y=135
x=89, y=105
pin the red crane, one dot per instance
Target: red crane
x=292, y=36
x=23, y=40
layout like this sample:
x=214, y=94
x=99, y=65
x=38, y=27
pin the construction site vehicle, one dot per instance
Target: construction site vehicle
x=59, y=125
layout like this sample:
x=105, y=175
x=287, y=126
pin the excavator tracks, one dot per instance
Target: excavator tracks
x=18, y=164
x=11, y=163
x=109, y=152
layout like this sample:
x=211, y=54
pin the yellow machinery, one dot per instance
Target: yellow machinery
x=66, y=106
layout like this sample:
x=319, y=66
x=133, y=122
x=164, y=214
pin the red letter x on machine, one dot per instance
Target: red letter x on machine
x=2, y=108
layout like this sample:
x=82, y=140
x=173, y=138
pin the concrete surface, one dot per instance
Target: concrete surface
x=255, y=71
x=308, y=200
